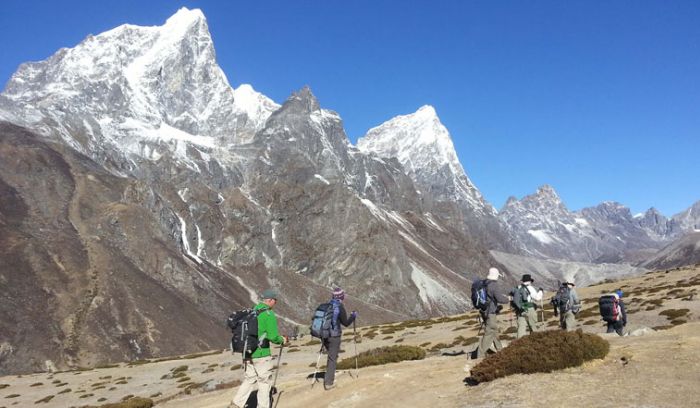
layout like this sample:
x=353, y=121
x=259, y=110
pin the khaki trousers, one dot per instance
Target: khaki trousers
x=568, y=321
x=527, y=319
x=256, y=371
x=491, y=331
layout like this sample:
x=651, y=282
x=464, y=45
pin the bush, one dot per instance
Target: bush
x=541, y=352
x=673, y=314
x=136, y=402
x=383, y=355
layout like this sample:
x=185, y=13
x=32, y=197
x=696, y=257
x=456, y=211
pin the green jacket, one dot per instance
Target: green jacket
x=267, y=329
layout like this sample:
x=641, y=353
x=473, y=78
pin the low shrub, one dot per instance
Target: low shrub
x=3, y=386
x=383, y=355
x=541, y=352
x=135, y=402
x=179, y=369
x=44, y=400
x=426, y=344
x=38, y=384
x=676, y=322
x=312, y=343
x=13, y=396
x=64, y=391
x=672, y=314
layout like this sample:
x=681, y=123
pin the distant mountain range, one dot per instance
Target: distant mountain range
x=142, y=198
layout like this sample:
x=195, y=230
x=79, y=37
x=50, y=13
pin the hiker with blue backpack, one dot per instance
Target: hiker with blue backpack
x=612, y=310
x=254, y=330
x=327, y=325
x=567, y=305
x=525, y=298
x=489, y=298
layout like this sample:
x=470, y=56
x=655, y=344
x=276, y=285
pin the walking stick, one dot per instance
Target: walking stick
x=313, y=379
x=354, y=340
x=279, y=365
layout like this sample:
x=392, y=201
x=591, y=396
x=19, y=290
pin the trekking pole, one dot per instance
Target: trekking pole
x=354, y=340
x=318, y=360
x=481, y=325
x=279, y=366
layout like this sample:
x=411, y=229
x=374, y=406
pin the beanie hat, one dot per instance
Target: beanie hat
x=338, y=293
x=270, y=294
x=493, y=274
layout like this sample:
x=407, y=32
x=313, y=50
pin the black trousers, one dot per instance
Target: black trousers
x=616, y=327
x=332, y=345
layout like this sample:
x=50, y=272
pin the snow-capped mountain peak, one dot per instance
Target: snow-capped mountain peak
x=133, y=85
x=424, y=147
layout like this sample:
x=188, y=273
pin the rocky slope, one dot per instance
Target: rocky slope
x=684, y=251
x=663, y=358
x=173, y=194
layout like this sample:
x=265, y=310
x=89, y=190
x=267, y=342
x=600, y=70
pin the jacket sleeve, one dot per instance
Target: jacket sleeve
x=574, y=297
x=497, y=294
x=269, y=321
x=343, y=317
x=534, y=293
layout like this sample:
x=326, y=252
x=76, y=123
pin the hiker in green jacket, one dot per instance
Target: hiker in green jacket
x=258, y=369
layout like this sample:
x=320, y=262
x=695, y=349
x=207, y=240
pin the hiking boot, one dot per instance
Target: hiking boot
x=328, y=387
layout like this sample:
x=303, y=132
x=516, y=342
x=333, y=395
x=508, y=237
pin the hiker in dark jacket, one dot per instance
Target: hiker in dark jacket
x=567, y=305
x=332, y=343
x=258, y=369
x=619, y=325
x=495, y=299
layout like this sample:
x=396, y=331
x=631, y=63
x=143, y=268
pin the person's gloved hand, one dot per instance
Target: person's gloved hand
x=286, y=340
x=353, y=314
x=540, y=289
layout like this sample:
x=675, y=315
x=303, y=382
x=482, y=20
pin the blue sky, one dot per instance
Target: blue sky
x=599, y=99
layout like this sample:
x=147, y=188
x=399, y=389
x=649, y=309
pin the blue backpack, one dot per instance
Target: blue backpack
x=480, y=299
x=322, y=321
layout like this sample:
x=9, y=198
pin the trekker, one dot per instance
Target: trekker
x=258, y=369
x=567, y=303
x=524, y=301
x=495, y=298
x=618, y=323
x=332, y=343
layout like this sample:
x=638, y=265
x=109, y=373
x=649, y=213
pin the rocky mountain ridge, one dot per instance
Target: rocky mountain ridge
x=607, y=232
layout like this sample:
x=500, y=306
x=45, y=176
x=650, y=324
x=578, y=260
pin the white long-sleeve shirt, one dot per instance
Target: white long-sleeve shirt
x=535, y=294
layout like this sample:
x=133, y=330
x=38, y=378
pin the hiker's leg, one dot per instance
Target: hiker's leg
x=247, y=385
x=333, y=349
x=490, y=332
x=570, y=321
x=263, y=366
x=522, y=325
x=531, y=316
x=611, y=327
x=496, y=323
x=619, y=328
x=562, y=320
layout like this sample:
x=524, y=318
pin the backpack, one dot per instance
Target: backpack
x=562, y=300
x=610, y=309
x=480, y=299
x=322, y=321
x=521, y=295
x=244, y=326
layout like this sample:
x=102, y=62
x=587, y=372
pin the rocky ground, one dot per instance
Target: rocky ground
x=658, y=369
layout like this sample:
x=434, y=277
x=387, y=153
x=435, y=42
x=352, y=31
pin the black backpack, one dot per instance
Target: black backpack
x=610, y=309
x=244, y=326
x=520, y=294
x=480, y=299
x=322, y=321
x=562, y=300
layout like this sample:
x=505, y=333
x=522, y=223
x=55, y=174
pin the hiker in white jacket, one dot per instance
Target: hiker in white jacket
x=525, y=298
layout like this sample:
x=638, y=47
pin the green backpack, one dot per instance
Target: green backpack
x=520, y=296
